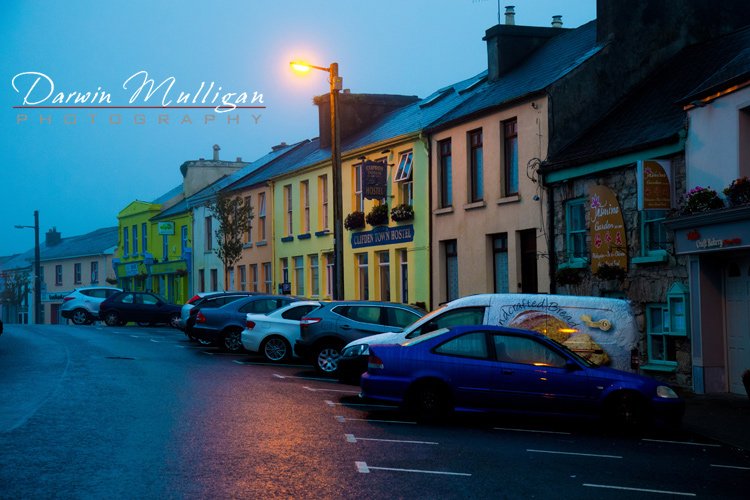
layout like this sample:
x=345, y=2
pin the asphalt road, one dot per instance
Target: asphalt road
x=129, y=412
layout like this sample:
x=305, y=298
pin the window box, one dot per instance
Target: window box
x=378, y=216
x=287, y=239
x=305, y=236
x=402, y=212
x=324, y=232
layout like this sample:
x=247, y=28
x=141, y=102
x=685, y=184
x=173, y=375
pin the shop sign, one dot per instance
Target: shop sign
x=708, y=238
x=383, y=236
x=654, y=185
x=166, y=228
x=375, y=179
x=607, y=229
x=55, y=296
x=131, y=269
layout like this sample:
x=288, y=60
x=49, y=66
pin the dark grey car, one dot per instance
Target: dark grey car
x=325, y=332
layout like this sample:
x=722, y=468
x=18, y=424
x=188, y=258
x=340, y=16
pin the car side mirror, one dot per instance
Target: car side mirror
x=571, y=365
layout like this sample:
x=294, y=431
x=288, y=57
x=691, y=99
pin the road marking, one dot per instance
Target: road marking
x=645, y=490
x=571, y=453
x=730, y=467
x=363, y=468
x=134, y=336
x=344, y=419
x=157, y=341
x=261, y=363
x=351, y=438
x=682, y=442
x=303, y=378
x=531, y=430
x=328, y=390
x=331, y=403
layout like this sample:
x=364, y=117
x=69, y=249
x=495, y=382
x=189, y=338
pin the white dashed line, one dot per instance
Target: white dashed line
x=363, y=468
x=328, y=390
x=351, y=438
x=531, y=430
x=571, y=453
x=331, y=403
x=645, y=490
x=345, y=419
x=681, y=442
x=730, y=467
x=303, y=378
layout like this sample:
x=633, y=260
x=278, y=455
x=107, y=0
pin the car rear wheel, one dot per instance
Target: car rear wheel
x=174, y=321
x=232, y=340
x=327, y=358
x=112, y=318
x=80, y=317
x=276, y=349
x=429, y=401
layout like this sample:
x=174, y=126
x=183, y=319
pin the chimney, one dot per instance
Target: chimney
x=52, y=238
x=557, y=22
x=279, y=146
x=239, y=159
x=356, y=112
x=510, y=15
x=509, y=45
x=216, y=152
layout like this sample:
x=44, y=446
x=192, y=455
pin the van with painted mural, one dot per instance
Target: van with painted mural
x=602, y=330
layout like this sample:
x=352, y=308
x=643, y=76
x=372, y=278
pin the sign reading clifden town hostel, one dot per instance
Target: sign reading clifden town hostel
x=166, y=228
x=654, y=185
x=375, y=178
x=607, y=230
x=383, y=236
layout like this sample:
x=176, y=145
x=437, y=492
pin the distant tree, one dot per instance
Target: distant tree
x=234, y=215
x=15, y=287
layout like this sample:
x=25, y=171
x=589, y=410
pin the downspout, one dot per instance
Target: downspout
x=551, y=243
x=429, y=218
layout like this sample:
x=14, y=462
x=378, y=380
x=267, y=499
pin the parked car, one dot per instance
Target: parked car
x=273, y=334
x=141, y=307
x=222, y=326
x=493, y=368
x=81, y=306
x=216, y=299
x=328, y=329
x=603, y=330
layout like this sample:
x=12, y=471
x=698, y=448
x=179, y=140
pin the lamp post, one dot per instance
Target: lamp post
x=37, y=270
x=338, y=223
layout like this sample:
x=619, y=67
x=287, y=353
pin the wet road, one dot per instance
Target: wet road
x=128, y=412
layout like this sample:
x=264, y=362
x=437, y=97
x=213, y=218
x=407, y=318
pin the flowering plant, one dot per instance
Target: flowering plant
x=738, y=192
x=355, y=220
x=378, y=215
x=402, y=212
x=700, y=199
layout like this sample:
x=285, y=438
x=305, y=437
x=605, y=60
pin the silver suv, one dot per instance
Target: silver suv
x=81, y=306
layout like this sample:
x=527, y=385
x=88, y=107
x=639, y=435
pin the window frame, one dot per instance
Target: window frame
x=445, y=173
x=476, y=165
x=510, y=157
x=573, y=260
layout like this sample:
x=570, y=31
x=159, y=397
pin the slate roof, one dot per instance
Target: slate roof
x=175, y=191
x=652, y=115
x=301, y=155
x=548, y=64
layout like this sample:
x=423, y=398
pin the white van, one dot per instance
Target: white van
x=602, y=330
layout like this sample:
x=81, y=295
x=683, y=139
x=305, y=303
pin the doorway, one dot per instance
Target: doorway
x=529, y=280
x=737, y=298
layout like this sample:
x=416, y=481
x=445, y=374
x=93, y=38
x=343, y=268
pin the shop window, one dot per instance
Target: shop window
x=384, y=275
x=575, y=233
x=299, y=275
x=666, y=324
x=314, y=275
x=653, y=237
x=362, y=277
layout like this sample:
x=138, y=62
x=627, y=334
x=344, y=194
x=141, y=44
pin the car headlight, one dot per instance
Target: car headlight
x=356, y=350
x=666, y=392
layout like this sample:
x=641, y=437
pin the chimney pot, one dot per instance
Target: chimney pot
x=510, y=14
x=216, y=152
x=557, y=22
x=239, y=159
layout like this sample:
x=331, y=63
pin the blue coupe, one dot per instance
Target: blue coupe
x=492, y=368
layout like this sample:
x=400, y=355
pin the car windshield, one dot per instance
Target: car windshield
x=421, y=321
x=422, y=338
x=573, y=354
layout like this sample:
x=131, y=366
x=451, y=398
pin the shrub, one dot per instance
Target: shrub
x=378, y=215
x=738, y=192
x=700, y=199
x=402, y=212
x=355, y=220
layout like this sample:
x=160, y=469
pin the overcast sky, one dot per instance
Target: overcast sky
x=80, y=167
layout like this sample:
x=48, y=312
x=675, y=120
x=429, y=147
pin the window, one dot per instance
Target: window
x=135, y=239
x=452, y=317
x=362, y=281
x=201, y=280
x=149, y=299
x=95, y=272
x=288, y=210
x=665, y=325
x=470, y=345
x=400, y=317
x=314, y=276
x=404, y=177
x=575, y=231
x=305, y=202
x=476, y=167
x=445, y=176
x=268, y=277
x=384, y=276
x=330, y=278
x=253, y=277
x=404, y=274
x=214, y=280
x=450, y=251
x=500, y=262
x=510, y=157
x=243, y=277
x=184, y=239
x=653, y=233
x=58, y=275
x=299, y=312
x=359, y=197
x=209, y=234
x=323, y=200
x=262, y=216
x=284, y=270
x=231, y=279
x=526, y=351
x=77, y=273
x=144, y=238
x=249, y=207
x=165, y=247
x=299, y=275
x=125, y=240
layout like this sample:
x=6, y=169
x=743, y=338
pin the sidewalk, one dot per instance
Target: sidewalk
x=722, y=417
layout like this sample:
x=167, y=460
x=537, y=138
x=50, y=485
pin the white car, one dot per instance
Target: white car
x=81, y=306
x=274, y=334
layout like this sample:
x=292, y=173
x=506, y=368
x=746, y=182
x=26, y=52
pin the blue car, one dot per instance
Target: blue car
x=492, y=368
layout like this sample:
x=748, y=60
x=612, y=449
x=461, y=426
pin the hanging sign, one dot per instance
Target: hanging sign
x=654, y=185
x=607, y=229
x=375, y=179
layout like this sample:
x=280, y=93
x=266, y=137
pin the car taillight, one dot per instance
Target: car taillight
x=65, y=299
x=374, y=363
x=193, y=299
x=250, y=324
x=200, y=318
x=309, y=321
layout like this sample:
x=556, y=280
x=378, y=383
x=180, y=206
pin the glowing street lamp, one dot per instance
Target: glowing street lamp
x=338, y=223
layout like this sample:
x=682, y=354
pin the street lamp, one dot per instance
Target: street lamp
x=338, y=223
x=37, y=270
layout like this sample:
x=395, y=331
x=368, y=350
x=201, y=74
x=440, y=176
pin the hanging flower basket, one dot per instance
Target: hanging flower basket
x=568, y=276
x=738, y=192
x=402, y=212
x=378, y=216
x=700, y=199
x=608, y=272
x=355, y=220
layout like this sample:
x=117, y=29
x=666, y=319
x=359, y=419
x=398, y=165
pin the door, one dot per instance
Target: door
x=529, y=282
x=737, y=297
x=54, y=314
